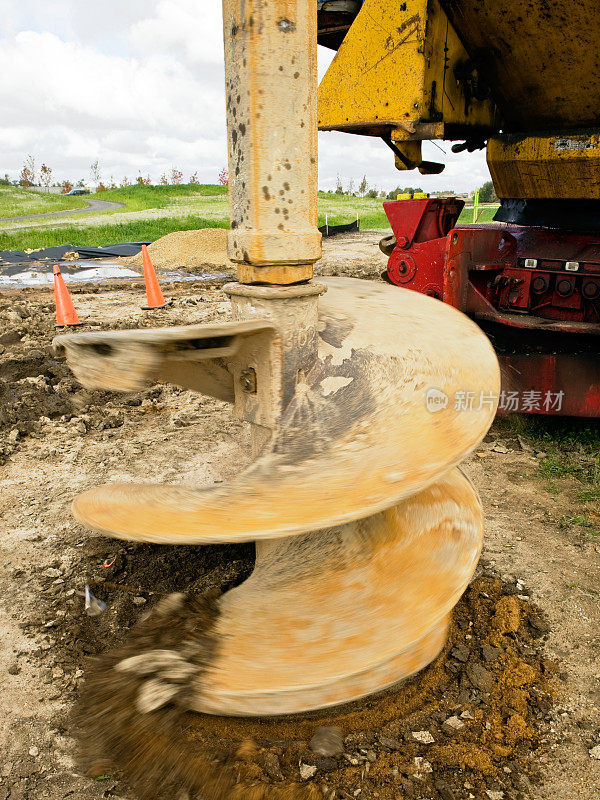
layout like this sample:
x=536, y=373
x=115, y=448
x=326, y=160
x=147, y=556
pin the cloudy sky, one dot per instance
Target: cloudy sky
x=138, y=85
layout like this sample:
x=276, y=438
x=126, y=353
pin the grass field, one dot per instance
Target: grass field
x=338, y=208
x=16, y=201
x=158, y=210
x=145, y=230
x=572, y=447
x=142, y=198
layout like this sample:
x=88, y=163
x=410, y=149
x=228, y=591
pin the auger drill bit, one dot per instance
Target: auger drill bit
x=366, y=533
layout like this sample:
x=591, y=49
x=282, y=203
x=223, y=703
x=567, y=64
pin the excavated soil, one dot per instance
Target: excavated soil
x=470, y=721
x=355, y=254
x=512, y=705
x=194, y=249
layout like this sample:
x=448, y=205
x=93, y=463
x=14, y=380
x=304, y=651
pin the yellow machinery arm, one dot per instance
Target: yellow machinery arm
x=521, y=74
x=541, y=59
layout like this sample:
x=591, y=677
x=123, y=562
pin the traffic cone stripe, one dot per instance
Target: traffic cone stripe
x=65, y=310
x=154, y=294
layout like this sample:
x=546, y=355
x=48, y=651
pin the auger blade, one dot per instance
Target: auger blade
x=358, y=436
x=327, y=617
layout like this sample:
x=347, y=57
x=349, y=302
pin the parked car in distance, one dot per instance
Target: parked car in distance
x=79, y=191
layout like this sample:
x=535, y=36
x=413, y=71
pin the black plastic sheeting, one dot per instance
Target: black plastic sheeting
x=331, y=230
x=53, y=254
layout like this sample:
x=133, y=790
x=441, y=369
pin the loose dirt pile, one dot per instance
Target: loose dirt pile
x=36, y=387
x=206, y=248
x=469, y=722
x=355, y=254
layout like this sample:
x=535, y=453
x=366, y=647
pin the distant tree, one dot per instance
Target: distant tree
x=30, y=166
x=339, y=189
x=125, y=182
x=66, y=187
x=5, y=181
x=224, y=177
x=373, y=193
x=46, y=176
x=487, y=193
x=80, y=183
x=163, y=180
x=101, y=187
x=176, y=176
x=194, y=179
x=362, y=189
x=95, y=172
x=112, y=184
x=141, y=181
x=350, y=189
x=26, y=177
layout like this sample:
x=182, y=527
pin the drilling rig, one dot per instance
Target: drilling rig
x=348, y=506
x=518, y=77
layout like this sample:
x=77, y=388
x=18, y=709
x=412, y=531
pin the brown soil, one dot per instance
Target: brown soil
x=495, y=694
x=35, y=386
x=58, y=439
x=193, y=249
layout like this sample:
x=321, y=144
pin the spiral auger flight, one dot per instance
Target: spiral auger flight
x=366, y=532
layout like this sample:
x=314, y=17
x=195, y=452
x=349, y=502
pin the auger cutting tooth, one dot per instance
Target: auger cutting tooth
x=366, y=534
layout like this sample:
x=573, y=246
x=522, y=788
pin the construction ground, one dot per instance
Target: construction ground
x=511, y=709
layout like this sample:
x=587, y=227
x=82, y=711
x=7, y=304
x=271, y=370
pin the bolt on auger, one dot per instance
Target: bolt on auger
x=366, y=532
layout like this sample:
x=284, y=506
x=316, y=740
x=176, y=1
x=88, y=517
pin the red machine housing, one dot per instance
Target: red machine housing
x=535, y=292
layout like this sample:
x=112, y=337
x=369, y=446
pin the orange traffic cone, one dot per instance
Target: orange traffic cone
x=154, y=293
x=65, y=310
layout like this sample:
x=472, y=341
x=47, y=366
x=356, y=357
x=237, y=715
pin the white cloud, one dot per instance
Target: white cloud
x=186, y=29
x=140, y=86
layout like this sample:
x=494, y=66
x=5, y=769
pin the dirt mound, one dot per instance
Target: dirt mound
x=352, y=255
x=35, y=386
x=190, y=249
x=466, y=726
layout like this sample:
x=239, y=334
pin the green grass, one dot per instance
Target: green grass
x=207, y=200
x=98, y=235
x=485, y=215
x=17, y=201
x=580, y=521
x=188, y=206
x=572, y=449
x=572, y=453
x=341, y=209
x=142, y=198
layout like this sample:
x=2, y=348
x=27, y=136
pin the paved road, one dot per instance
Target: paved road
x=92, y=205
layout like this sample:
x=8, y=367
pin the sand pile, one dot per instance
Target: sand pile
x=190, y=249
